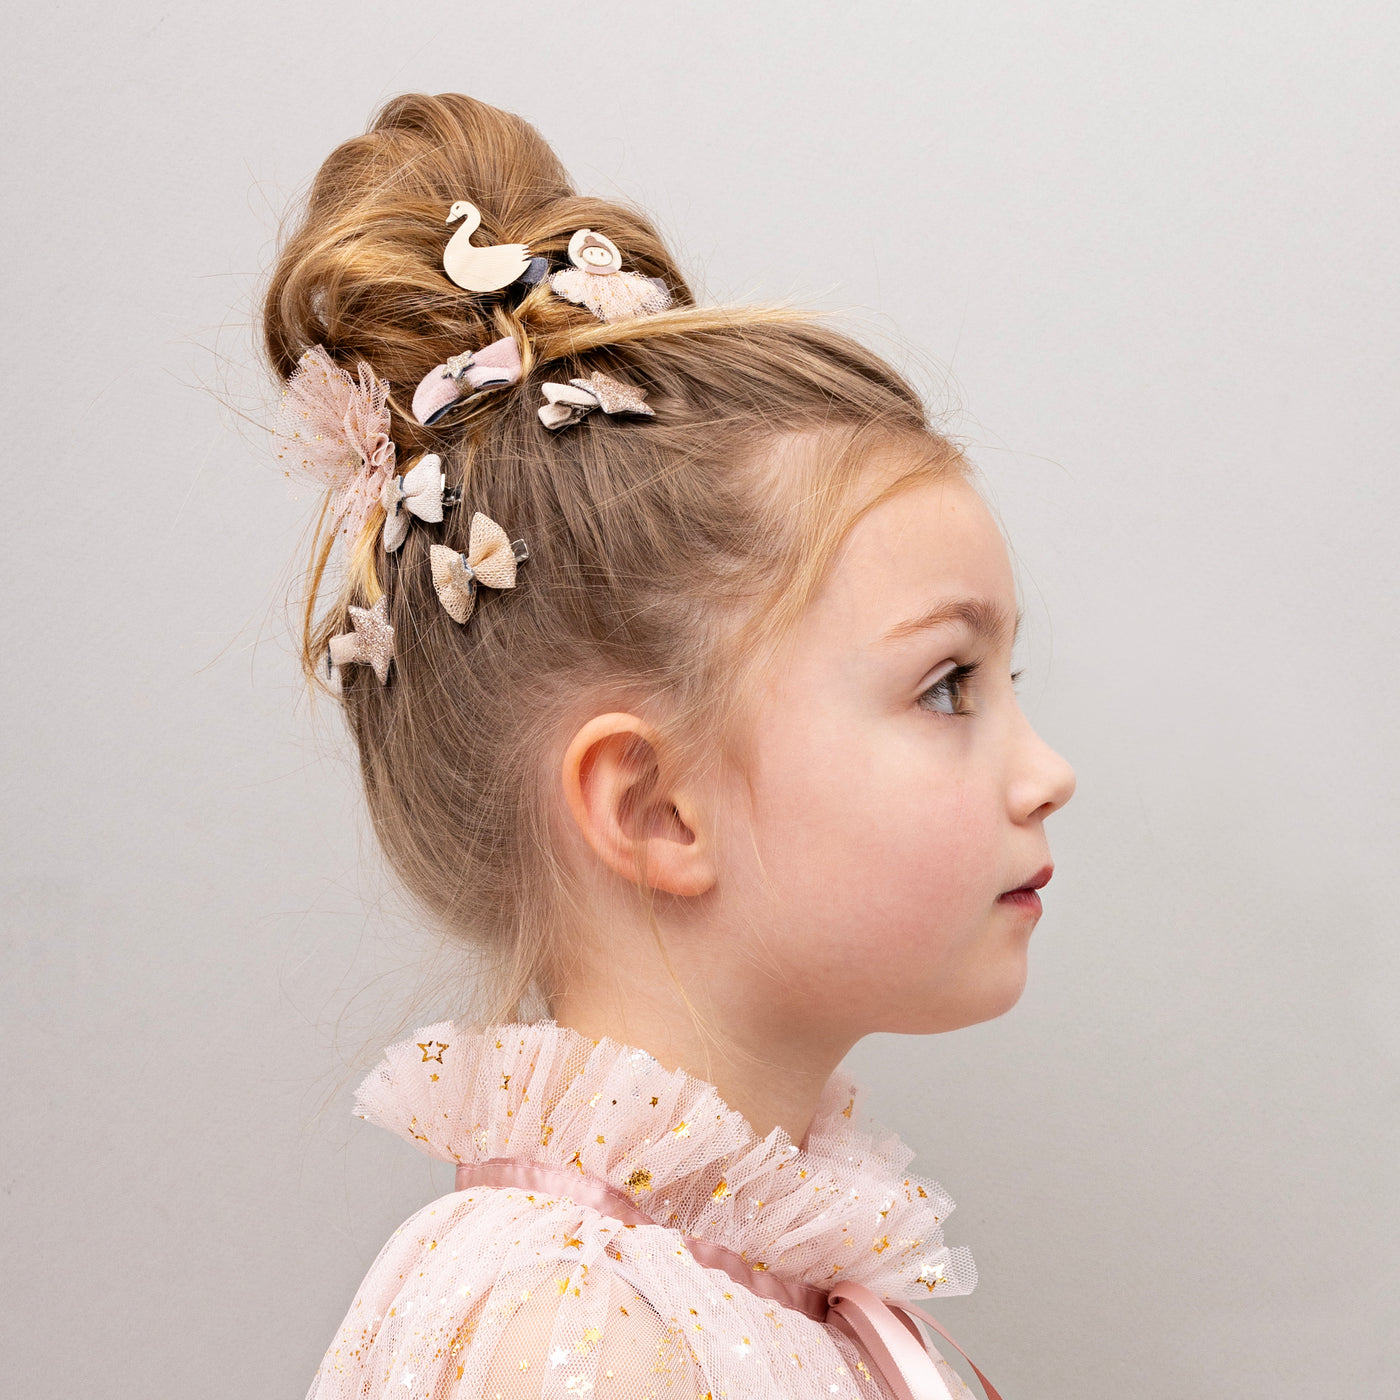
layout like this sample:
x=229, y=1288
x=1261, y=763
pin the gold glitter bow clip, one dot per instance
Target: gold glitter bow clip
x=370, y=643
x=567, y=403
x=491, y=559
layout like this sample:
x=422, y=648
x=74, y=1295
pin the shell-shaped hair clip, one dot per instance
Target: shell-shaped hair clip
x=422, y=491
x=464, y=375
x=370, y=643
x=596, y=280
x=567, y=403
x=485, y=269
x=491, y=558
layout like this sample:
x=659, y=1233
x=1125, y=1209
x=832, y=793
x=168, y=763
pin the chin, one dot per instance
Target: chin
x=937, y=1012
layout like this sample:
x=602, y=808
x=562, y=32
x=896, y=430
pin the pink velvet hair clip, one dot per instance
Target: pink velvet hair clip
x=596, y=280
x=464, y=375
x=335, y=430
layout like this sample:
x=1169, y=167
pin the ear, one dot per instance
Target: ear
x=640, y=826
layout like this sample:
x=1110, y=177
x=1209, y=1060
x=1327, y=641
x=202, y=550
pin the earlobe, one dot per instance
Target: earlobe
x=643, y=830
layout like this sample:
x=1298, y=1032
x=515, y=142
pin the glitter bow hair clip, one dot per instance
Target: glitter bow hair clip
x=567, y=403
x=491, y=558
x=596, y=280
x=334, y=429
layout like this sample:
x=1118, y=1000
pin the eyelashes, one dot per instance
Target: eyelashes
x=956, y=682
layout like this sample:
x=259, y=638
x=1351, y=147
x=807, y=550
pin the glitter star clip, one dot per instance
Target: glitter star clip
x=568, y=403
x=370, y=644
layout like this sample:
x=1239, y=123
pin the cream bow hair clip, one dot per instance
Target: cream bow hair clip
x=567, y=403
x=422, y=491
x=490, y=559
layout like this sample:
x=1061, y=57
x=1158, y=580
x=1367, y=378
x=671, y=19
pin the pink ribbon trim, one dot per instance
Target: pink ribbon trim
x=885, y=1331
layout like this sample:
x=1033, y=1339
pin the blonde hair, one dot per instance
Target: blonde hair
x=668, y=555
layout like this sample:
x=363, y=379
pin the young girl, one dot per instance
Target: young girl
x=676, y=647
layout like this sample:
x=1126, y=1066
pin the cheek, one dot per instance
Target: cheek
x=879, y=831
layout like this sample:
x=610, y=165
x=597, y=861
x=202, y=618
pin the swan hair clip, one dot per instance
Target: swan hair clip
x=485, y=269
x=568, y=403
x=596, y=280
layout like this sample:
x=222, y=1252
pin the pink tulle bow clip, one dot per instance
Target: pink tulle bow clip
x=492, y=365
x=335, y=430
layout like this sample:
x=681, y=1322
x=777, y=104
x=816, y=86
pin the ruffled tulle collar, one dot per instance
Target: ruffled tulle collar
x=839, y=1207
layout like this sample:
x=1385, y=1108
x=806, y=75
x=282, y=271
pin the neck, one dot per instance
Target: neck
x=770, y=1073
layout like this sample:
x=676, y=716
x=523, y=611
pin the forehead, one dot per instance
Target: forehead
x=929, y=543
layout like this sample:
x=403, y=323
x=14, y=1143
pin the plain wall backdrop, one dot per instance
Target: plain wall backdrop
x=1143, y=254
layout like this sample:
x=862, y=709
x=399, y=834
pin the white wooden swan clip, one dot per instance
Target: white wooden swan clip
x=484, y=269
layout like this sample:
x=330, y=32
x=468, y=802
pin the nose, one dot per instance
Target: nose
x=1043, y=780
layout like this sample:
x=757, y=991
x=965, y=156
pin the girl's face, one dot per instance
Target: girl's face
x=898, y=789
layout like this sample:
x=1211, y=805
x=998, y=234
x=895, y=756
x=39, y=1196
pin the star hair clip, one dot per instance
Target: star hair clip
x=568, y=403
x=596, y=280
x=369, y=643
x=491, y=558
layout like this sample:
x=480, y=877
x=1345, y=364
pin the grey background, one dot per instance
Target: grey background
x=1144, y=255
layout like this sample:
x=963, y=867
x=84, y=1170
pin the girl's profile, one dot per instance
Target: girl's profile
x=676, y=645
x=701, y=701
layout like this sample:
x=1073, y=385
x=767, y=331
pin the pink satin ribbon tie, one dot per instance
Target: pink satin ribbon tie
x=885, y=1332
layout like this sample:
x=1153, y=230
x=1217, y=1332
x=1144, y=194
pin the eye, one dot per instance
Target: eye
x=953, y=687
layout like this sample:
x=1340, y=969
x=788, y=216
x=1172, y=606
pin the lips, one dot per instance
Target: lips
x=1041, y=877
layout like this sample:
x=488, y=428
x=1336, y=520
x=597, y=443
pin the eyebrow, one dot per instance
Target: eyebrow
x=984, y=617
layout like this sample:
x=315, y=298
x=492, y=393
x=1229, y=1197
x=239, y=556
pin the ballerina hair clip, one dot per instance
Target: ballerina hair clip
x=567, y=403
x=464, y=375
x=491, y=558
x=596, y=280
